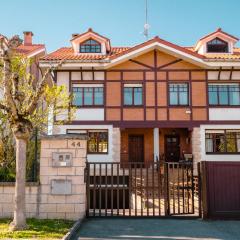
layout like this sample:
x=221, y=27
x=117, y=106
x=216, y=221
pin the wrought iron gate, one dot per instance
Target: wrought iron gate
x=137, y=189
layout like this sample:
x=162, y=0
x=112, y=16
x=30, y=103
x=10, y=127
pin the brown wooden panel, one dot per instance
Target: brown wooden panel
x=199, y=114
x=198, y=75
x=150, y=75
x=113, y=75
x=113, y=114
x=182, y=65
x=162, y=114
x=133, y=114
x=133, y=76
x=150, y=114
x=162, y=94
x=150, y=94
x=179, y=75
x=146, y=58
x=161, y=76
x=163, y=58
x=199, y=94
x=223, y=189
x=113, y=93
x=128, y=65
x=178, y=114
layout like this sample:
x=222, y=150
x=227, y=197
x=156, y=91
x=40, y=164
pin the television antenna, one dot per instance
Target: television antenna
x=146, y=25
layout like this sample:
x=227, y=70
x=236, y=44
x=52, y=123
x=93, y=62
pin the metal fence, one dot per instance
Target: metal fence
x=139, y=190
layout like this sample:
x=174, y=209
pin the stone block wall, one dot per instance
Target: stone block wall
x=61, y=193
x=196, y=148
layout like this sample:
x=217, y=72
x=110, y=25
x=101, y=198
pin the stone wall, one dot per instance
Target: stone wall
x=61, y=193
x=7, y=199
x=196, y=148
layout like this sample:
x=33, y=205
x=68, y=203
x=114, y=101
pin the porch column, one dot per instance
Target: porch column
x=156, y=143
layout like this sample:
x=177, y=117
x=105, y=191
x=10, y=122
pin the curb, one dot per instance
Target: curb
x=73, y=230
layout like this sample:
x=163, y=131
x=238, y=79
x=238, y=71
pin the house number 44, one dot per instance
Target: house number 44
x=76, y=144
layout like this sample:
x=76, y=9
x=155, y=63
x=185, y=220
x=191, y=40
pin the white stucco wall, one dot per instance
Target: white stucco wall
x=224, y=114
x=216, y=157
x=113, y=141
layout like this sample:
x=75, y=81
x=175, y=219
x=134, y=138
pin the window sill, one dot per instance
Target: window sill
x=90, y=106
x=224, y=106
x=133, y=106
x=223, y=153
x=97, y=153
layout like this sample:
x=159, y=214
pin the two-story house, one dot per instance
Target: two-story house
x=152, y=100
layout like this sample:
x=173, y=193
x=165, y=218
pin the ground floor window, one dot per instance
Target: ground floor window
x=97, y=140
x=222, y=141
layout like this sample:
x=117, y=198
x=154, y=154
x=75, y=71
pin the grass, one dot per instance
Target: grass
x=37, y=229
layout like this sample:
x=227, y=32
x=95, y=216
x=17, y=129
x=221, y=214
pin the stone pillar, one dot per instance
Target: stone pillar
x=116, y=144
x=156, y=143
x=63, y=190
x=196, y=148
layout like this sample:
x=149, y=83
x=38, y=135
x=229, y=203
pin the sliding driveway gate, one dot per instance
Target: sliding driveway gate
x=139, y=190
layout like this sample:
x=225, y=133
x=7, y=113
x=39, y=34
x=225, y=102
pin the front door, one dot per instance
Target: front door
x=172, y=148
x=136, y=148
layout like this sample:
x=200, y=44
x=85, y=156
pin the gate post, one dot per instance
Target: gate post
x=166, y=190
x=199, y=190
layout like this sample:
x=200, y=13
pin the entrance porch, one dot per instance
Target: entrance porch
x=146, y=145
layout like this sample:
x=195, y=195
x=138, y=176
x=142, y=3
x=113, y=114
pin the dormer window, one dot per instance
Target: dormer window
x=90, y=46
x=217, y=46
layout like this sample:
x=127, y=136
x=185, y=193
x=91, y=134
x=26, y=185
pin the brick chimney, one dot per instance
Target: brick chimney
x=27, y=38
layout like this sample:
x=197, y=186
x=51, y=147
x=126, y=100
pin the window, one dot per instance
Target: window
x=90, y=46
x=178, y=94
x=132, y=96
x=222, y=141
x=217, y=45
x=97, y=141
x=87, y=96
x=224, y=94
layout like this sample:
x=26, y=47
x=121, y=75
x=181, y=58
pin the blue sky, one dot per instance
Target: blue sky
x=179, y=21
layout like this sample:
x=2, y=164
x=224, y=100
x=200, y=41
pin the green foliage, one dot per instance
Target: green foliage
x=37, y=229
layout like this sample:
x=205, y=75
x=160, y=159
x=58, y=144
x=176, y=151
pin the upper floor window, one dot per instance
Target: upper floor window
x=87, y=96
x=133, y=96
x=217, y=45
x=224, y=94
x=178, y=94
x=90, y=46
x=222, y=141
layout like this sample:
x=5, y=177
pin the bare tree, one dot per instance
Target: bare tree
x=21, y=105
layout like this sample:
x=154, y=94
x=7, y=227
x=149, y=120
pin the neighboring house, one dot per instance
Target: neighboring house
x=155, y=100
x=28, y=49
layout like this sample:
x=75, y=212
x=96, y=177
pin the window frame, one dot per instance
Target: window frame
x=224, y=43
x=93, y=130
x=91, y=46
x=218, y=95
x=133, y=96
x=225, y=152
x=94, y=105
x=178, y=95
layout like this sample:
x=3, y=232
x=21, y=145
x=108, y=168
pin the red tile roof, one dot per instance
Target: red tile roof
x=220, y=31
x=67, y=53
x=29, y=49
x=234, y=56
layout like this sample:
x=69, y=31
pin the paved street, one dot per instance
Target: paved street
x=158, y=229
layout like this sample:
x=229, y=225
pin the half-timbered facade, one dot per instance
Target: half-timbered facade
x=153, y=101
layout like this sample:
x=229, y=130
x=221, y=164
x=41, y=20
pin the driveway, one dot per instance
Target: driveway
x=158, y=229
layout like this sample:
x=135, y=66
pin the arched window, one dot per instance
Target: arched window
x=217, y=45
x=90, y=46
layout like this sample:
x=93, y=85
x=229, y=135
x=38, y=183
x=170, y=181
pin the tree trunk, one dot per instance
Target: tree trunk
x=19, y=220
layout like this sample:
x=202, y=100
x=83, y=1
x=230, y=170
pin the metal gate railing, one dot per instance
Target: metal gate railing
x=139, y=190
